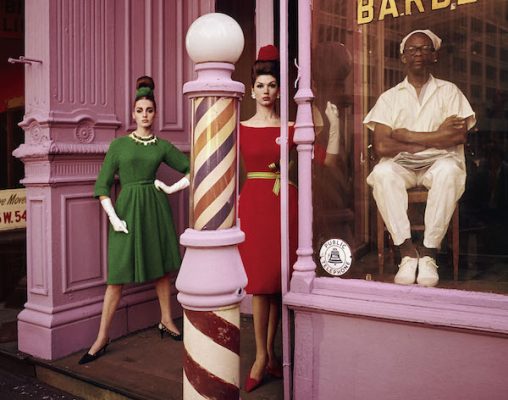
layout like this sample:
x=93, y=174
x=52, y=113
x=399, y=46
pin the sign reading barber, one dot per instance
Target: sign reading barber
x=335, y=257
x=12, y=209
x=377, y=10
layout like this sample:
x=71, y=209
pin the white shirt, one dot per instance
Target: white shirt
x=399, y=107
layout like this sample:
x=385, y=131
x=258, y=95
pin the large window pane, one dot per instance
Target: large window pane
x=353, y=63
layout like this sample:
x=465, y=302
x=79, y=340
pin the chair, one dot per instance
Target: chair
x=415, y=196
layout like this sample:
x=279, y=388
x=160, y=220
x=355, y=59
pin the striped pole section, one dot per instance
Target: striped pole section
x=211, y=362
x=214, y=162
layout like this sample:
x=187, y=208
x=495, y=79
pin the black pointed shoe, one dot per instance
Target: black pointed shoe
x=87, y=357
x=173, y=335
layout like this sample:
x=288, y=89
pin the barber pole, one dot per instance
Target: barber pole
x=212, y=278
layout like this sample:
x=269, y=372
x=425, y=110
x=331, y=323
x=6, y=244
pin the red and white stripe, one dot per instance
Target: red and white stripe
x=212, y=354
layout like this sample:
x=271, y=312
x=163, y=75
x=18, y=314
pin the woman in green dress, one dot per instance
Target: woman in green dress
x=142, y=243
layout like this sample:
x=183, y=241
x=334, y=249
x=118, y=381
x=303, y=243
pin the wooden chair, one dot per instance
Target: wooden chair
x=415, y=196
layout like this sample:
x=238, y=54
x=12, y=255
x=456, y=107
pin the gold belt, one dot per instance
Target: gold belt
x=268, y=175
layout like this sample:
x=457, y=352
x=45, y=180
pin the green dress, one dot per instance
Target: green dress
x=150, y=249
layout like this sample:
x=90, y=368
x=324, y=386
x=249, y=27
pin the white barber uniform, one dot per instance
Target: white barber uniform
x=442, y=172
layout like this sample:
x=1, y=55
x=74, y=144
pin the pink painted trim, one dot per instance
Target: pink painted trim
x=431, y=306
x=304, y=268
x=214, y=78
x=216, y=238
x=212, y=274
x=356, y=287
x=264, y=23
x=284, y=222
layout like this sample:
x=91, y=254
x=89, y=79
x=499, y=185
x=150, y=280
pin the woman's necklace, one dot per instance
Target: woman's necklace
x=143, y=140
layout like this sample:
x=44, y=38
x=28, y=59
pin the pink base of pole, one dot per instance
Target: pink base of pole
x=212, y=273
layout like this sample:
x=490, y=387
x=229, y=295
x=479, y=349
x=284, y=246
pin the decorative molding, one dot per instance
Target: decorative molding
x=148, y=45
x=171, y=50
x=71, y=148
x=82, y=45
x=75, y=169
x=72, y=118
x=68, y=238
x=37, y=134
x=26, y=151
x=84, y=132
x=37, y=248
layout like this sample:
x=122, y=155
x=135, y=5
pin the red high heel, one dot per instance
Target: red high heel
x=251, y=384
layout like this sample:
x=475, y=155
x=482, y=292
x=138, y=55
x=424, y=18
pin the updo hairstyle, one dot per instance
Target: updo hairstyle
x=144, y=90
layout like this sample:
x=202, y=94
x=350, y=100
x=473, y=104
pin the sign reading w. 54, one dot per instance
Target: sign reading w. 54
x=12, y=209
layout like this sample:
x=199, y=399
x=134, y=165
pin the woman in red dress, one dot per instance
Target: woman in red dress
x=259, y=211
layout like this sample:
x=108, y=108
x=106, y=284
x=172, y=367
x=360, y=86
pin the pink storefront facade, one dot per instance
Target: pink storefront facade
x=357, y=336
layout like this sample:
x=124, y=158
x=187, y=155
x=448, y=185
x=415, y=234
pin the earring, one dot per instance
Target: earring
x=435, y=60
x=278, y=96
x=253, y=95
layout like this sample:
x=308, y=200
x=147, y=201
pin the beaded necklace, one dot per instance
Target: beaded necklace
x=152, y=139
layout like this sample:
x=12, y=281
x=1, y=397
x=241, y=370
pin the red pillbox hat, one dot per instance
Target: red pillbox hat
x=268, y=53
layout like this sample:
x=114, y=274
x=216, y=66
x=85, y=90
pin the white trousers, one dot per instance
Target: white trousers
x=445, y=179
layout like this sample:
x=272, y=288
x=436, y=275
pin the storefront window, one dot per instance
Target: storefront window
x=355, y=58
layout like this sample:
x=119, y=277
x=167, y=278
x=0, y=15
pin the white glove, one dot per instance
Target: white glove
x=175, y=187
x=117, y=223
x=332, y=113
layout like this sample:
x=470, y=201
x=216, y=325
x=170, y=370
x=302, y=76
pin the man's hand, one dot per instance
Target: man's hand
x=452, y=125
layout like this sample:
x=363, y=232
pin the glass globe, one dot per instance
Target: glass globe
x=214, y=37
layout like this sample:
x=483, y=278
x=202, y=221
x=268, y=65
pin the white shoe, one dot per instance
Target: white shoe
x=407, y=271
x=427, y=272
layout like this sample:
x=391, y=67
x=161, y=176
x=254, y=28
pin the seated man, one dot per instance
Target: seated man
x=420, y=126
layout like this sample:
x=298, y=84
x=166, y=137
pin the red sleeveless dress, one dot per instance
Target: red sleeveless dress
x=259, y=210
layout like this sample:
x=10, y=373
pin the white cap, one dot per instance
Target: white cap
x=436, y=41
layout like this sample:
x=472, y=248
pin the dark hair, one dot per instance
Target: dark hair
x=262, y=67
x=144, y=90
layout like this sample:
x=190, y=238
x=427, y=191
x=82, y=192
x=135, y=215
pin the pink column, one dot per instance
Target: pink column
x=77, y=101
x=304, y=268
x=69, y=120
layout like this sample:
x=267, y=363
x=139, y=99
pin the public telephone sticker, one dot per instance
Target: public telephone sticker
x=335, y=257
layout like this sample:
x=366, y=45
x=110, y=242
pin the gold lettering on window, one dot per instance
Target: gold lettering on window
x=365, y=11
x=438, y=4
x=388, y=7
x=418, y=4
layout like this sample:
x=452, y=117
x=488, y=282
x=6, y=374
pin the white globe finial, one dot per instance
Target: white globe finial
x=214, y=37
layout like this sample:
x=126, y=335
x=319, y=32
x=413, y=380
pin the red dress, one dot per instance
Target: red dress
x=259, y=211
